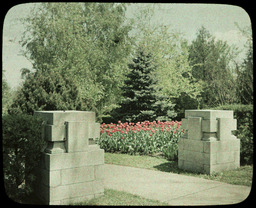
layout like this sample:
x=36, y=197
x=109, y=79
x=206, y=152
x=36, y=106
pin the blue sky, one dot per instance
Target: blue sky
x=219, y=19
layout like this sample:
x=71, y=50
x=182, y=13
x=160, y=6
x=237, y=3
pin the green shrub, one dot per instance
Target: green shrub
x=22, y=143
x=244, y=116
x=46, y=91
x=182, y=103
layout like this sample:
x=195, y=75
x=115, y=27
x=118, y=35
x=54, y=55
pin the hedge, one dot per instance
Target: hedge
x=22, y=144
x=244, y=116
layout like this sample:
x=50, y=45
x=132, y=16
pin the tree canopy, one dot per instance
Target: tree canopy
x=46, y=91
x=245, y=70
x=142, y=99
x=87, y=42
x=90, y=56
x=169, y=51
x=211, y=61
x=6, y=93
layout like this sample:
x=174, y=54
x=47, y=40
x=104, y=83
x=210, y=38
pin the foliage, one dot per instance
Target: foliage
x=94, y=42
x=164, y=108
x=246, y=152
x=46, y=91
x=211, y=61
x=143, y=138
x=22, y=143
x=141, y=98
x=138, y=90
x=182, y=103
x=86, y=41
x=6, y=95
x=166, y=55
x=169, y=52
x=245, y=80
x=244, y=116
x=245, y=71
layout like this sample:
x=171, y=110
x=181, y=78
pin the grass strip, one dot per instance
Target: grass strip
x=119, y=198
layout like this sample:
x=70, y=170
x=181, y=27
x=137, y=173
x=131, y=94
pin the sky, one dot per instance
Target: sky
x=218, y=19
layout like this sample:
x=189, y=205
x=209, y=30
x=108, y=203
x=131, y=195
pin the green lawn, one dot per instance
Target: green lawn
x=119, y=198
x=111, y=197
x=240, y=176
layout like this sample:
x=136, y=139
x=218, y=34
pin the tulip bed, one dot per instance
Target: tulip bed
x=146, y=138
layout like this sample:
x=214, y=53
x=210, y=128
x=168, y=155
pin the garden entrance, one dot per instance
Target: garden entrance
x=71, y=170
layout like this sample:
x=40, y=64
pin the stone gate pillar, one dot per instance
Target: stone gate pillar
x=208, y=145
x=72, y=165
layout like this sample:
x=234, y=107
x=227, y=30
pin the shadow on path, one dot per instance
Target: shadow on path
x=168, y=167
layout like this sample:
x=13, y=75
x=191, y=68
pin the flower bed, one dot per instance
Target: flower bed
x=142, y=137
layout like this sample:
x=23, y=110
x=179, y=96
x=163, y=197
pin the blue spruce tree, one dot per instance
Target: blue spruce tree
x=142, y=99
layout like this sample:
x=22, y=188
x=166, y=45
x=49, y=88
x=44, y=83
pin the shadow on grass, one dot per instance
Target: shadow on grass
x=170, y=167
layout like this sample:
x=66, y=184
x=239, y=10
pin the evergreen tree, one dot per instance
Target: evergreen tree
x=46, y=91
x=142, y=99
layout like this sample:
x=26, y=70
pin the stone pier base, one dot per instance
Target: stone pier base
x=72, y=168
x=208, y=145
x=71, y=178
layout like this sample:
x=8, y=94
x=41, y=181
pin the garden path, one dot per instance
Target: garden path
x=175, y=189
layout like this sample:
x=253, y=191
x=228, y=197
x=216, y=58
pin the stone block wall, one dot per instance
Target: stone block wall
x=208, y=144
x=72, y=168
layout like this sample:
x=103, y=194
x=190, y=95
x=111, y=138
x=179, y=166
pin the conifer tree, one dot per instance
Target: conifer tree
x=46, y=91
x=142, y=99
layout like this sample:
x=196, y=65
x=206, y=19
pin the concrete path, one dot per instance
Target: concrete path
x=172, y=188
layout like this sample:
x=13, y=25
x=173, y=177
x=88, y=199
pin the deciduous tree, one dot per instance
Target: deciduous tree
x=87, y=42
x=245, y=70
x=6, y=94
x=212, y=65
